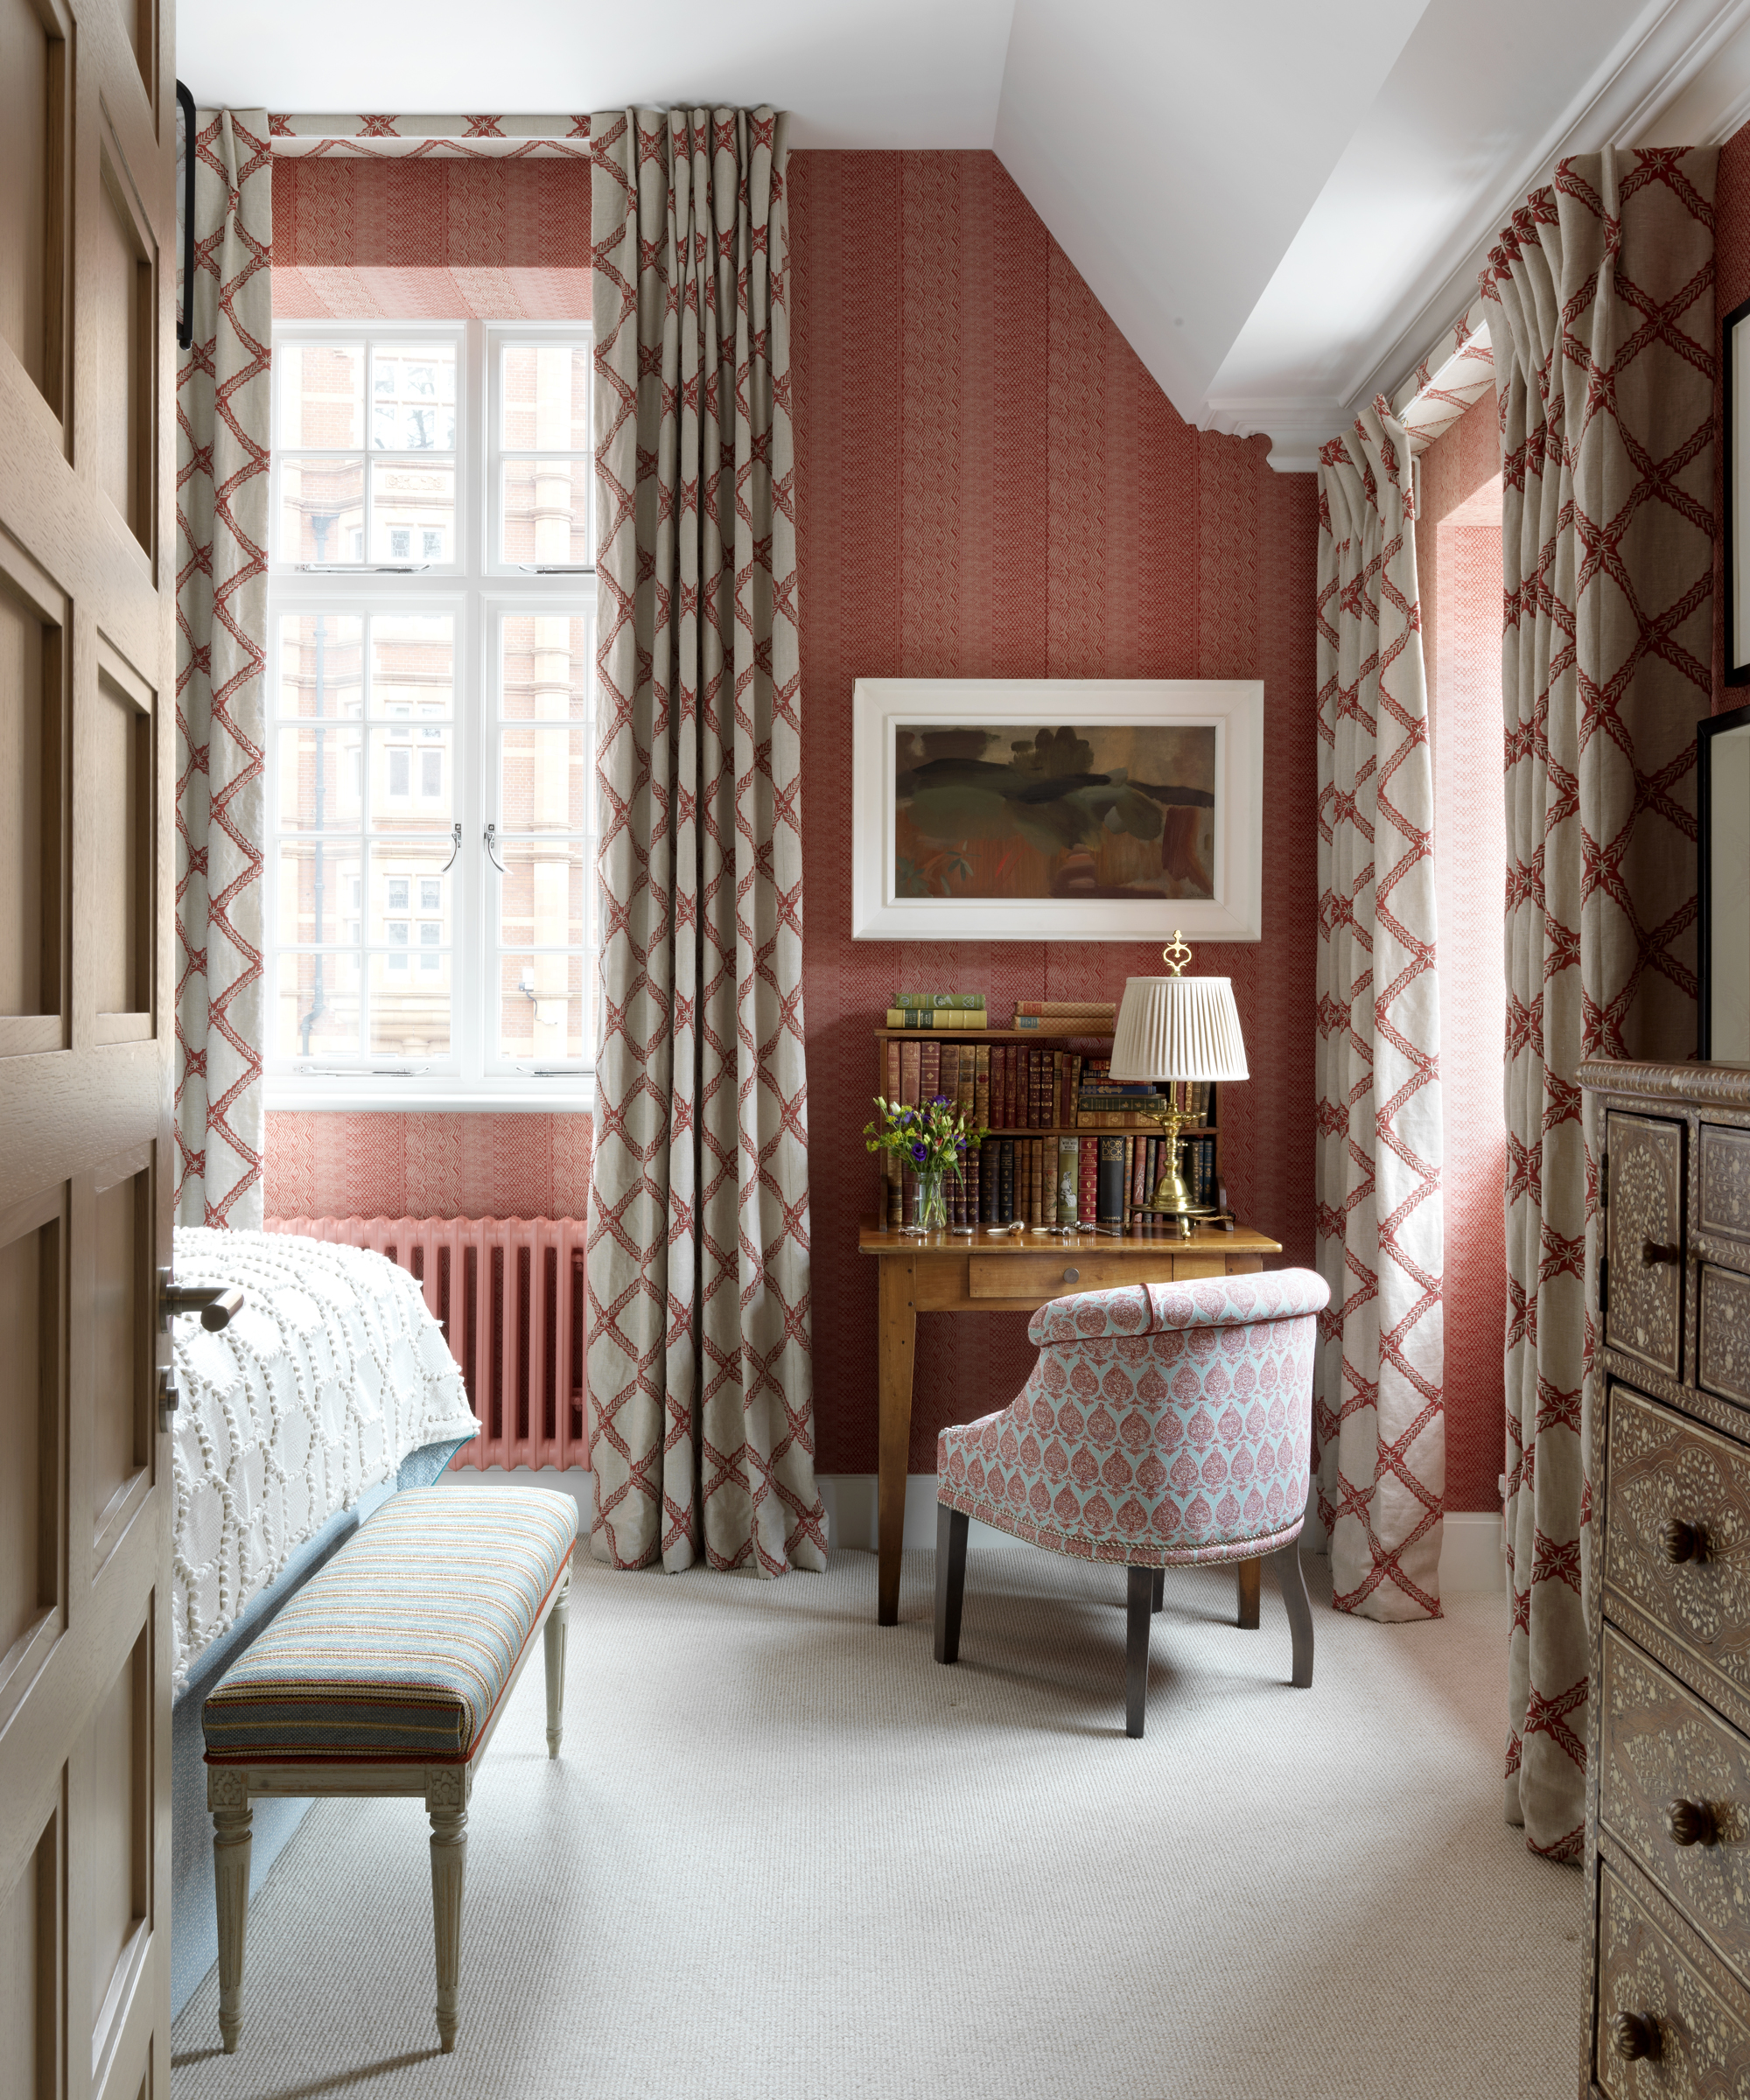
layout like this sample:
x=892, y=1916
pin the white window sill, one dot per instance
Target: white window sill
x=438, y=1097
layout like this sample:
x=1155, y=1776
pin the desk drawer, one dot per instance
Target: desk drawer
x=1067, y=1275
x=1695, y=2047
x=1644, y=1239
x=1678, y=1529
x=1662, y=1745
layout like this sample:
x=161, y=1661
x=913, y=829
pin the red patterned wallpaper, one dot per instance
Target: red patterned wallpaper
x=431, y=239
x=381, y=1164
x=1458, y=558
x=989, y=484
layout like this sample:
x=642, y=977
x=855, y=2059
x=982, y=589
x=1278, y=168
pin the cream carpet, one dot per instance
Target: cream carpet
x=785, y=1855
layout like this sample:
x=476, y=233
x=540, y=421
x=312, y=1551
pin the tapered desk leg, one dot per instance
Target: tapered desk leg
x=897, y=1346
x=1251, y=1590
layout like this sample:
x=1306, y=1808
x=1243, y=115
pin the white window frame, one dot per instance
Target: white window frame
x=476, y=589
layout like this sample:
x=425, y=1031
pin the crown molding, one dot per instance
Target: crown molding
x=1685, y=59
x=1296, y=424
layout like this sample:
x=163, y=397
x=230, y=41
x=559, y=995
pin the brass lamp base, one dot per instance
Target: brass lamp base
x=1173, y=1198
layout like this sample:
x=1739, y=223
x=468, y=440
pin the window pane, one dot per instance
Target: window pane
x=544, y=1010
x=409, y=1011
x=408, y=501
x=317, y=1006
x=321, y=666
x=547, y=892
x=547, y=779
x=319, y=774
x=413, y=398
x=321, y=387
x=402, y=872
x=546, y=516
x=322, y=510
x=318, y=891
x=546, y=668
x=409, y=786
x=546, y=392
x=412, y=667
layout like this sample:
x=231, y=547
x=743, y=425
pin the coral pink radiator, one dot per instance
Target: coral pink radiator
x=509, y=1295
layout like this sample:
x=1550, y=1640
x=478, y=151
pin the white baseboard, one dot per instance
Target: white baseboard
x=1470, y=1540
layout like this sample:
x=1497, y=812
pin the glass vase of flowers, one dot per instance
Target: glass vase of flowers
x=931, y=1140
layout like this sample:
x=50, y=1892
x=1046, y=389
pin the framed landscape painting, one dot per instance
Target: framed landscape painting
x=1057, y=808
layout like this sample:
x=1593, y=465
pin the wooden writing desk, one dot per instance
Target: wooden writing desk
x=1008, y=1272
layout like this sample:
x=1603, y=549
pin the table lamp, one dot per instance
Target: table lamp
x=1176, y=1028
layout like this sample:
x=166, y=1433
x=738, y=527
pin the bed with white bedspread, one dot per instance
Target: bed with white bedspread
x=332, y=1375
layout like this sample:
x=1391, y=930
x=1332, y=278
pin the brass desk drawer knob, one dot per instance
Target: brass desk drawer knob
x=1633, y=2035
x=1072, y=1275
x=1690, y=1823
x=1682, y=1541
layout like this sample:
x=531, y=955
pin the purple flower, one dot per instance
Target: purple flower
x=920, y=1154
x=940, y=1102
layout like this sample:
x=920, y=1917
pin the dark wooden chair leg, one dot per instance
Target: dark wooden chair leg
x=950, y=1579
x=1139, y=1609
x=1251, y=1589
x=1159, y=1589
x=1293, y=1581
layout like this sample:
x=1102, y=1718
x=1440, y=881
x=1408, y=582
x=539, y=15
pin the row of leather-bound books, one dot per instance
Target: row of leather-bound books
x=1013, y=1086
x=1062, y=1180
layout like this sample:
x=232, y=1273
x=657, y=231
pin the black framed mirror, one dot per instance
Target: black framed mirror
x=1723, y=866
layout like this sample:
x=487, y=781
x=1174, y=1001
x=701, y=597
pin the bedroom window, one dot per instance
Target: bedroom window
x=430, y=763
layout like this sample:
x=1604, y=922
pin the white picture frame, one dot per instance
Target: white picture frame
x=1232, y=707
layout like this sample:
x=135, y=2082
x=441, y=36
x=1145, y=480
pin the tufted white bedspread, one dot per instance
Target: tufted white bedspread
x=333, y=1372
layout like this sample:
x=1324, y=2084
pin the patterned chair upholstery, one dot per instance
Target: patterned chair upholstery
x=1164, y=1424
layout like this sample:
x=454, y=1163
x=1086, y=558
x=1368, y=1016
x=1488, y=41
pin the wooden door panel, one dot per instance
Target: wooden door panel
x=87, y=662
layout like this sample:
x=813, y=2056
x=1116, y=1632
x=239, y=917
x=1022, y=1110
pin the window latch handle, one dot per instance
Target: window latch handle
x=455, y=848
x=491, y=834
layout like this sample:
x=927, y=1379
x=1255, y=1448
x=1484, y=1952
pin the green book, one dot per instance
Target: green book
x=964, y=999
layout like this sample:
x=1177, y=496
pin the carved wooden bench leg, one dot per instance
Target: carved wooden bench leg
x=557, y=1621
x=950, y=1579
x=449, y=1855
x=232, y=1837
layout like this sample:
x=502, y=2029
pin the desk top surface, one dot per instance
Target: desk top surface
x=1151, y=1241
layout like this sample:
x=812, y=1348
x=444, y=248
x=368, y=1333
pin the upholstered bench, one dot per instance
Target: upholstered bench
x=387, y=1675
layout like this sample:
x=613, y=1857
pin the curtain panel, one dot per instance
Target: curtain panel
x=1378, y=1424
x=1600, y=298
x=700, y=1371
x=222, y=405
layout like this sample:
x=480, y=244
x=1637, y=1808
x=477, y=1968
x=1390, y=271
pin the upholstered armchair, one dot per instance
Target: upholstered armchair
x=1162, y=1425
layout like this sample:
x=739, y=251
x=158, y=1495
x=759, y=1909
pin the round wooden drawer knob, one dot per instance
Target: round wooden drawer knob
x=1633, y=2035
x=1072, y=1275
x=1681, y=1541
x=1653, y=1253
x=1690, y=1823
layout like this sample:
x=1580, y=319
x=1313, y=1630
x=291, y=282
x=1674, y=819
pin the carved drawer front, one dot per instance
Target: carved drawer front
x=1724, y=1166
x=1722, y=1352
x=1678, y=1529
x=1643, y=1240
x=1663, y=2030
x=1674, y=1790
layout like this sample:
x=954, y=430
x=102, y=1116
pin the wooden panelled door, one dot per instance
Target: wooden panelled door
x=87, y=149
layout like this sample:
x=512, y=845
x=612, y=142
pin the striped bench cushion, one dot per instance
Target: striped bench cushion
x=399, y=1649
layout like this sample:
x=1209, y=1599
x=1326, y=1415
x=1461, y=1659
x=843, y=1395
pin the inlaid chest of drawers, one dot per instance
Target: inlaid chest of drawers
x=1667, y=1772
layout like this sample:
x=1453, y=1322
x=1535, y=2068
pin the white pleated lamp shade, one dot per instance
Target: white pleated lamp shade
x=1179, y=1028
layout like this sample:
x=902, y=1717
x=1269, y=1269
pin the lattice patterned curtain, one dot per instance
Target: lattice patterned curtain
x=1600, y=298
x=222, y=409
x=700, y=1372
x=1377, y=1416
